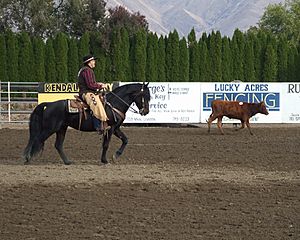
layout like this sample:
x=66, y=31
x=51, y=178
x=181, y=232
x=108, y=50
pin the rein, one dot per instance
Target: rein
x=131, y=108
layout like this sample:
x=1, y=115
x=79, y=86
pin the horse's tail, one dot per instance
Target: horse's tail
x=35, y=145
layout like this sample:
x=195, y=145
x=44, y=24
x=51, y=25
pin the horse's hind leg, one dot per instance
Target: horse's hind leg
x=118, y=133
x=37, y=145
x=60, y=137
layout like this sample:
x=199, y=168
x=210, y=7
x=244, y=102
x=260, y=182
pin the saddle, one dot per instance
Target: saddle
x=79, y=105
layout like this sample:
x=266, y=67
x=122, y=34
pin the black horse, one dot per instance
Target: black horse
x=53, y=117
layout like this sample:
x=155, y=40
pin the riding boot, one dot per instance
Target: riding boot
x=98, y=125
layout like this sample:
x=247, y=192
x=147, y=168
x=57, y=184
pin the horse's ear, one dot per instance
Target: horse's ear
x=146, y=84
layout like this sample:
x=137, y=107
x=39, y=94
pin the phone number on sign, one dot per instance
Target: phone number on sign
x=181, y=119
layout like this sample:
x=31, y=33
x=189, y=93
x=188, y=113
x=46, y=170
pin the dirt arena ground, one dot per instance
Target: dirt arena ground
x=171, y=183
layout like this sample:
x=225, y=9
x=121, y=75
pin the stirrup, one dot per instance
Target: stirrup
x=105, y=127
x=100, y=131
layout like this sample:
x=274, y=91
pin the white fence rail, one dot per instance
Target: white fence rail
x=17, y=100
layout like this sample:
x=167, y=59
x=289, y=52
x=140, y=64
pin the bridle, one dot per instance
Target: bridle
x=129, y=106
x=141, y=111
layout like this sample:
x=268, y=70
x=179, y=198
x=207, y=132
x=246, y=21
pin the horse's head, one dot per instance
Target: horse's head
x=142, y=99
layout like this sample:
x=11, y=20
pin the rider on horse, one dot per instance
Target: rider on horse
x=88, y=91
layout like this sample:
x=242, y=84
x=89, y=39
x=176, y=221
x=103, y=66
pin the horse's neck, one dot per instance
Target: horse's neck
x=122, y=102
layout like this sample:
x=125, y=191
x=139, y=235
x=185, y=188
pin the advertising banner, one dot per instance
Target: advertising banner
x=290, y=102
x=50, y=92
x=270, y=93
x=186, y=102
x=176, y=102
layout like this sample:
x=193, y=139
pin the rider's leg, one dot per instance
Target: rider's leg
x=97, y=125
x=98, y=110
x=93, y=101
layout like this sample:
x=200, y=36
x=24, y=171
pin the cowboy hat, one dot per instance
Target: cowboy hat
x=88, y=58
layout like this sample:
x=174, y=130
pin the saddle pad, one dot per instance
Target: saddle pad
x=70, y=108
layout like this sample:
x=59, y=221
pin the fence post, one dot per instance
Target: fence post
x=0, y=104
x=8, y=99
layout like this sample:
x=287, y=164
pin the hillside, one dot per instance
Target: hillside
x=202, y=15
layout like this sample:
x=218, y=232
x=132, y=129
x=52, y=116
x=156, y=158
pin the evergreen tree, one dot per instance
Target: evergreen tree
x=3, y=59
x=50, y=65
x=61, y=57
x=73, y=61
x=161, y=60
x=172, y=57
x=297, y=63
x=151, y=67
x=125, y=48
x=96, y=40
x=39, y=60
x=249, y=60
x=120, y=54
x=226, y=61
x=139, y=57
x=204, y=63
x=216, y=56
x=116, y=55
x=257, y=49
x=194, y=59
x=12, y=55
x=84, y=46
x=108, y=72
x=183, y=61
x=282, y=53
x=292, y=64
x=204, y=38
x=101, y=72
x=25, y=58
x=168, y=57
x=237, y=47
x=270, y=64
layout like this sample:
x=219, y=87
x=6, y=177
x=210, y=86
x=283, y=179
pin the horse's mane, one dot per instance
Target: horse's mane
x=126, y=87
x=130, y=88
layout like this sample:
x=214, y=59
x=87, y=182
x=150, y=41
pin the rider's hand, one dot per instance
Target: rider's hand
x=106, y=87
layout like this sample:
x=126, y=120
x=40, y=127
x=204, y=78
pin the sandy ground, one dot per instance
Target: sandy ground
x=171, y=183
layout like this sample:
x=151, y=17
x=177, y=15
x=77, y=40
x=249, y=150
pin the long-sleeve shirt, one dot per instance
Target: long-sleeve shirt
x=87, y=81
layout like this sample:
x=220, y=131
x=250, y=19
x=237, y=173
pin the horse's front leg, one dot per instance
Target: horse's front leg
x=105, y=144
x=118, y=133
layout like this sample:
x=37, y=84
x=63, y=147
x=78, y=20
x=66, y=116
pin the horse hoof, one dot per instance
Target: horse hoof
x=115, y=157
x=26, y=162
x=103, y=162
x=68, y=163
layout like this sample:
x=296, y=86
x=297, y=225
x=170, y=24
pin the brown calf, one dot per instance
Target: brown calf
x=237, y=110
